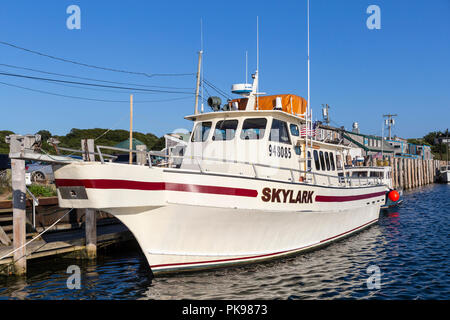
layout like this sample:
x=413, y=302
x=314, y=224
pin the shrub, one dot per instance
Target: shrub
x=42, y=191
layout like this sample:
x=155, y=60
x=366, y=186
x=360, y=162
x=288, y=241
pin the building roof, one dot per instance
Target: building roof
x=126, y=144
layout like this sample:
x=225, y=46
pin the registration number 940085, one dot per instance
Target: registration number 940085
x=279, y=151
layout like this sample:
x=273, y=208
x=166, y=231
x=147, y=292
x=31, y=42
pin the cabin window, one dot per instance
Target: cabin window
x=225, y=130
x=298, y=150
x=316, y=160
x=309, y=160
x=253, y=129
x=294, y=130
x=338, y=162
x=201, y=131
x=322, y=160
x=327, y=160
x=279, y=132
x=333, y=167
x=359, y=174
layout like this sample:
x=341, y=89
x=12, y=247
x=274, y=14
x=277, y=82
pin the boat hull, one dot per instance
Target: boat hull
x=185, y=220
x=444, y=177
x=177, y=238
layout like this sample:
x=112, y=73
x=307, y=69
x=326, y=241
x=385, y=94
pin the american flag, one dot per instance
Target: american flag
x=311, y=132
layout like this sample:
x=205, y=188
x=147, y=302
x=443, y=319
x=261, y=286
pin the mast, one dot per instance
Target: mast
x=308, y=139
x=198, y=81
x=257, y=59
x=201, y=65
x=130, y=161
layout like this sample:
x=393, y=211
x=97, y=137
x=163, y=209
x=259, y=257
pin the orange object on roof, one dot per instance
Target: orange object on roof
x=290, y=103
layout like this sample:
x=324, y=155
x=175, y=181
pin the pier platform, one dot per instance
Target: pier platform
x=69, y=243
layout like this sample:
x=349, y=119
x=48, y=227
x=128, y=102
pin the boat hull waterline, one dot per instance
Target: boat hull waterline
x=219, y=220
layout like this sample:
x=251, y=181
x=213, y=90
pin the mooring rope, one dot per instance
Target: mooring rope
x=40, y=234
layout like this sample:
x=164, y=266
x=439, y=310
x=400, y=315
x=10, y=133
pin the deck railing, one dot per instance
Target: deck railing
x=308, y=176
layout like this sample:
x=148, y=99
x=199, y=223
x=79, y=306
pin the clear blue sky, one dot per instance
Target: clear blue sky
x=403, y=68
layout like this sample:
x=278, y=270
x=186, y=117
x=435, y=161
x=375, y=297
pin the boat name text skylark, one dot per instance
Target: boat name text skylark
x=286, y=196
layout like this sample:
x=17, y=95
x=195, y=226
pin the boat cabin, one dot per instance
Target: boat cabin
x=266, y=143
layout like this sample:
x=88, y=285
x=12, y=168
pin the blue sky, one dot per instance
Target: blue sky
x=403, y=68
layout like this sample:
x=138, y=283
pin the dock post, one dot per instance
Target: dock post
x=411, y=172
x=87, y=145
x=405, y=162
x=397, y=183
x=421, y=172
x=416, y=172
x=17, y=146
x=400, y=173
x=408, y=173
x=19, y=215
x=141, y=156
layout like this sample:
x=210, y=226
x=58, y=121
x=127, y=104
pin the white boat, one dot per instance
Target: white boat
x=384, y=176
x=444, y=174
x=252, y=185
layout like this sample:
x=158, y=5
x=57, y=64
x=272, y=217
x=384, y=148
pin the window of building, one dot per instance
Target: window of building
x=225, y=130
x=316, y=160
x=322, y=160
x=253, y=129
x=201, y=131
x=294, y=130
x=279, y=132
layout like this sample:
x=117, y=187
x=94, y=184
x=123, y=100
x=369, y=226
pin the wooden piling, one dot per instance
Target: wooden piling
x=87, y=145
x=141, y=155
x=400, y=173
x=19, y=215
x=410, y=174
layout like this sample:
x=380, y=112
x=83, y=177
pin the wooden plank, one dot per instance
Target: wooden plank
x=43, y=201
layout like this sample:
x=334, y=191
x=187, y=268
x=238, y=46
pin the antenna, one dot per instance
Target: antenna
x=257, y=43
x=325, y=113
x=389, y=122
x=257, y=58
x=246, y=66
x=309, y=97
x=201, y=49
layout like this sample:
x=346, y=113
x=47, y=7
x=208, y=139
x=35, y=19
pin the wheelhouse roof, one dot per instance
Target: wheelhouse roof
x=241, y=114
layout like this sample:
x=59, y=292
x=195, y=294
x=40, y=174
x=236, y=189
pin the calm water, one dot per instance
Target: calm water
x=409, y=245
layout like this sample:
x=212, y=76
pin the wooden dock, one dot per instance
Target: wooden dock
x=67, y=238
x=413, y=173
x=70, y=243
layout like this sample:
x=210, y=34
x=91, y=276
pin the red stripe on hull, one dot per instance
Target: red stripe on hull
x=348, y=198
x=154, y=186
x=264, y=255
